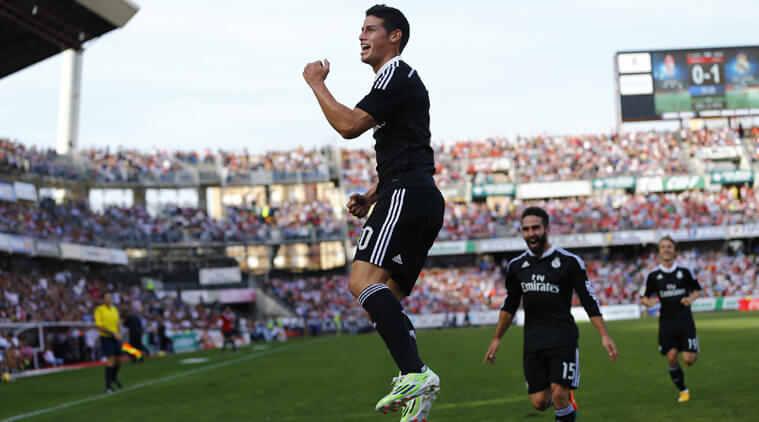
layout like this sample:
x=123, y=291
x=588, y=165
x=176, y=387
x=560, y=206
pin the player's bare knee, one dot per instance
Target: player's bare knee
x=560, y=398
x=672, y=357
x=540, y=403
x=690, y=360
x=356, y=286
x=363, y=275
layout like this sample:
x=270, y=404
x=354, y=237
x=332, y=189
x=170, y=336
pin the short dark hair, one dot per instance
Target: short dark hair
x=667, y=237
x=392, y=19
x=537, y=212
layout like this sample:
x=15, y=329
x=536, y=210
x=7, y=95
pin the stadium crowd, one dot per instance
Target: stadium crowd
x=626, y=211
x=75, y=221
x=549, y=158
x=616, y=280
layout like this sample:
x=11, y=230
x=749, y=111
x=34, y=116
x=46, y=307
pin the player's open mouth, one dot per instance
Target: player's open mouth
x=365, y=47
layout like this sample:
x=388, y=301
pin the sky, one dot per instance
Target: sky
x=191, y=75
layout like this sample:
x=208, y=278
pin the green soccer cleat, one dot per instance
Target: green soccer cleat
x=416, y=410
x=408, y=387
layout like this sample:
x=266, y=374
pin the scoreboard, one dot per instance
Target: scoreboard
x=681, y=84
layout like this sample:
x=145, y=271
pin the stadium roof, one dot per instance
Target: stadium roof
x=33, y=30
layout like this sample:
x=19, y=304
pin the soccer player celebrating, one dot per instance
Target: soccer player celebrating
x=544, y=276
x=107, y=322
x=408, y=207
x=677, y=288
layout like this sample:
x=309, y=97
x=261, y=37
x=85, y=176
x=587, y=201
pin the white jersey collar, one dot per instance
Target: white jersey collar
x=668, y=270
x=387, y=65
x=548, y=252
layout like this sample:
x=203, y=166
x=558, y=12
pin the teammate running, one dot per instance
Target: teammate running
x=408, y=207
x=545, y=276
x=677, y=288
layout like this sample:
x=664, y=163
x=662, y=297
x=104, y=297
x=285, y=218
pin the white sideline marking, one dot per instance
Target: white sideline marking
x=157, y=381
x=193, y=361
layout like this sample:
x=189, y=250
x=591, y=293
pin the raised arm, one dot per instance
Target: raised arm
x=349, y=123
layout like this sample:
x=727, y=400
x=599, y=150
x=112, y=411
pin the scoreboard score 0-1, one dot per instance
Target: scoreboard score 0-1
x=678, y=84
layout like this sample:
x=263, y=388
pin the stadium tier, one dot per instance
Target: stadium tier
x=290, y=205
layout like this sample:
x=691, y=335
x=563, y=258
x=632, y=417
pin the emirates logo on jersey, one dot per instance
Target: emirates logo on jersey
x=539, y=284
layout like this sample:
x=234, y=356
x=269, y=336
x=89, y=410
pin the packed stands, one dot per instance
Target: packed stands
x=477, y=288
x=521, y=159
x=74, y=221
x=323, y=300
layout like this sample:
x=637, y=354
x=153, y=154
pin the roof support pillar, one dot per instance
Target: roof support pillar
x=68, y=105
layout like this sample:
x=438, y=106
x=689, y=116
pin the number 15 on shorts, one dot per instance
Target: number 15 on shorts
x=568, y=370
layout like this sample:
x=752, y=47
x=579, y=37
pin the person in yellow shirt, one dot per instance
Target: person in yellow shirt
x=108, y=323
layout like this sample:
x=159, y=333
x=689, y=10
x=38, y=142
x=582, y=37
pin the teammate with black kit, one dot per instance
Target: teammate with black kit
x=544, y=276
x=677, y=288
x=408, y=207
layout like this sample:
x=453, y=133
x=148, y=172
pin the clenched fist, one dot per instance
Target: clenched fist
x=316, y=72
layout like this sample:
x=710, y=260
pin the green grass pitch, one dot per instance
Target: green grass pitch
x=341, y=378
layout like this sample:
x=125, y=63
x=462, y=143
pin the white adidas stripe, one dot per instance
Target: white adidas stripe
x=383, y=77
x=385, y=226
x=392, y=228
x=378, y=254
x=576, y=380
x=387, y=81
x=370, y=291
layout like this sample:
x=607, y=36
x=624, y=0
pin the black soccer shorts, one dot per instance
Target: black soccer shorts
x=400, y=232
x=109, y=346
x=560, y=365
x=682, y=339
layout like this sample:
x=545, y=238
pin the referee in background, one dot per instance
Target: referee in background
x=108, y=323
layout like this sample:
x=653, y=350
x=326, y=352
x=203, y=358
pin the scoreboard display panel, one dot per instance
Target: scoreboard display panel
x=678, y=84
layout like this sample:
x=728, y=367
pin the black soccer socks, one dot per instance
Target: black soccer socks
x=390, y=322
x=108, y=377
x=566, y=414
x=411, y=332
x=676, y=373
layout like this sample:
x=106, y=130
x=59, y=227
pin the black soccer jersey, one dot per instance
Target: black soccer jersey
x=546, y=285
x=399, y=103
x=671, y=285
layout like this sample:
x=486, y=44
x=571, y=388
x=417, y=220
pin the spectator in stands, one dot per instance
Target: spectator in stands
x=49, y=357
